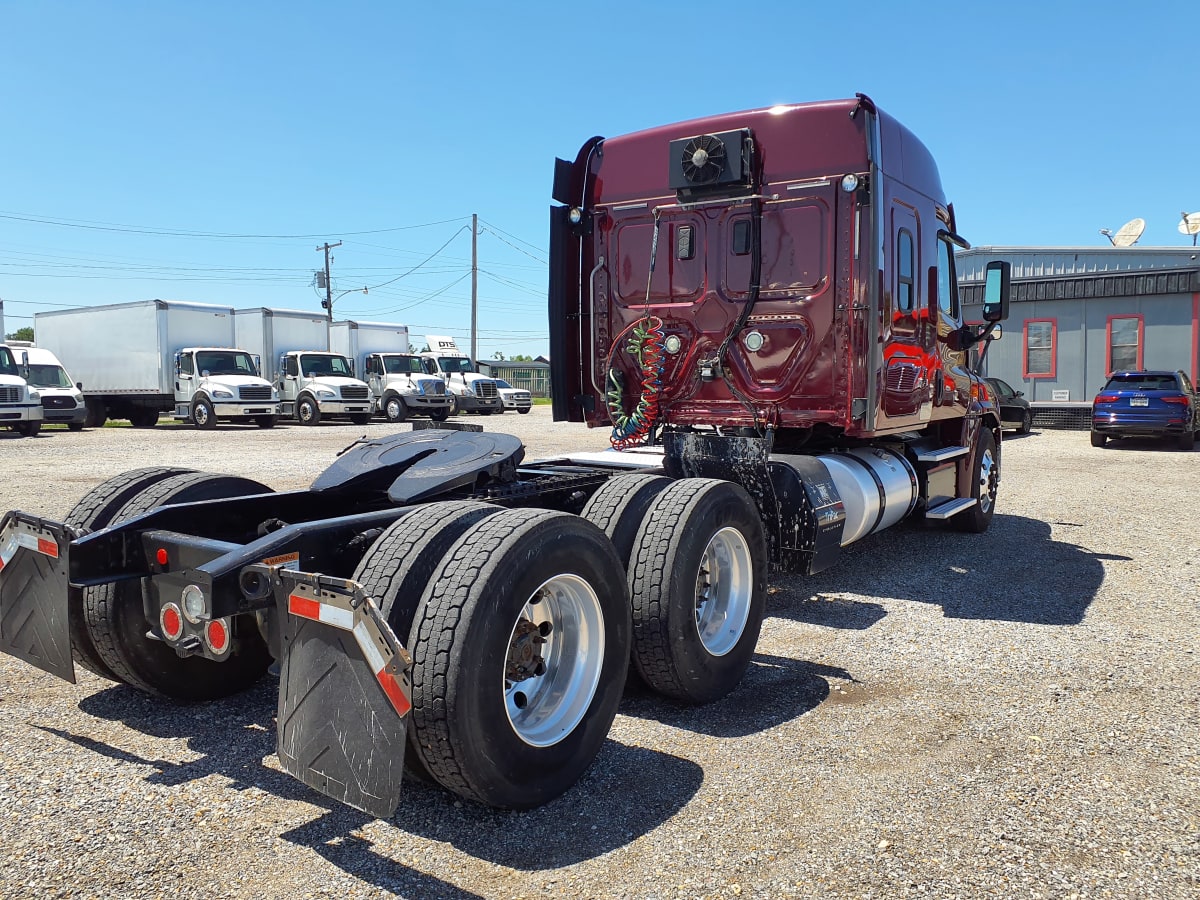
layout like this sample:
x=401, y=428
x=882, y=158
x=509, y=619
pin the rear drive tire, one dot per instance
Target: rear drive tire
x=697, y=586
x=985, y=485
x=619, y=506
x=394, y=409
x=398, y=567
x=75, y=426
x=117, y=622
x=94, y=511
x=1099, y=439
x=143, y=417
x=520, y=646
x=360, y=418
x=203, y=414
x=307, y=411
x=97, y=412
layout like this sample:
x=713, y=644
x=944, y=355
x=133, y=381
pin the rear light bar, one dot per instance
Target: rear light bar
x=1107, y=398
x=1182, y=401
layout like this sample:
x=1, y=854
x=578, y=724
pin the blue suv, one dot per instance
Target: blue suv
x=1146, y=404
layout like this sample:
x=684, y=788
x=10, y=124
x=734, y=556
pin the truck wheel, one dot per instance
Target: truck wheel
x=985, y=482
x=266, y=421
x=203, y=415
x=94, y=511
x=523, y=410
x=117, y=622
x=143, y=417
x=439, y=415
x=399, y=565
x=361, y=418
x=74, y=426
x=97, y=412
x=394, y=409
x=28, y=429
x=307, y=410
x=619, y=506
x=1026, y=422
x=697, y=584
x=520, y=645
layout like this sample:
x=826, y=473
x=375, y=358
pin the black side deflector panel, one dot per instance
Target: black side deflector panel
x=34, y=624
x=344, y=691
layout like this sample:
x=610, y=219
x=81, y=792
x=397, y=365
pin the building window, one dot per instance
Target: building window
x=905, y=289
x=1125, y=337
x=1041, y=345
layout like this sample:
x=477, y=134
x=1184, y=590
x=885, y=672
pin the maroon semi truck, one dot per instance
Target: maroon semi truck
x=763, y=308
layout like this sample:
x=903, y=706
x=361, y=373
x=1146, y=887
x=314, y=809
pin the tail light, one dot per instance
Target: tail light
x=1182, y=401
x=170, y=620
x=1107, y=398
x=216, y=636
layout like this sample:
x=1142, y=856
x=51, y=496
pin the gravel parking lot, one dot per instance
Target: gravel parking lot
x=940, y=715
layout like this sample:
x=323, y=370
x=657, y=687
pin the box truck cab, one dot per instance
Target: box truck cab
x=469, y=391
x=20, y=404
x=399, y=384
x=316, y=384
x=214, y=383
x=62, y=400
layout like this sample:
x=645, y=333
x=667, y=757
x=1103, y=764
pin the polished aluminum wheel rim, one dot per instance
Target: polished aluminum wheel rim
x=988, y=475
x=545, y=708
x=724, y=590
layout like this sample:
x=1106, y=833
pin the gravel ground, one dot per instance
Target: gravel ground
x=939, y=715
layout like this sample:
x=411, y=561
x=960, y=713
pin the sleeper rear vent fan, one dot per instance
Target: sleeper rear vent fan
x=716, y=164
x=703, y=159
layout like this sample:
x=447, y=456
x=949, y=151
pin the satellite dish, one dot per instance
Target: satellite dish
x=1127, y=235
x=1190, y=223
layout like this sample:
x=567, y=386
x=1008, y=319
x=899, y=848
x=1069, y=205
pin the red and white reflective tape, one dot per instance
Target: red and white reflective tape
x=21, y=538
x=359, y=622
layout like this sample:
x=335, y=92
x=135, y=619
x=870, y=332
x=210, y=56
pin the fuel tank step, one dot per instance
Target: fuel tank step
x=950, y=508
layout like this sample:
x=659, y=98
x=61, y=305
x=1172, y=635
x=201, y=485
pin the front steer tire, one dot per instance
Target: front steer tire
x=697, y=586
x=985, y=486
x=116, y=620
x=485, y=724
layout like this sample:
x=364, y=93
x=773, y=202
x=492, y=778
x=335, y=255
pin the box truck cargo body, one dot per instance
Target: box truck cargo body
x=313, y=382
x=136, y=360
x=399, y=384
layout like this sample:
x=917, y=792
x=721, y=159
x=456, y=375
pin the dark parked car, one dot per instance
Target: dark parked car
x=1015, y=411
x=1146, y=404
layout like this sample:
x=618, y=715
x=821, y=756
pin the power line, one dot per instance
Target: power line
x=497, y=236
x=165, y=232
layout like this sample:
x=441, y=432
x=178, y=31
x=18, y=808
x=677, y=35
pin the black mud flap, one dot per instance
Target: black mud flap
x=344, y=691
x=34, y=624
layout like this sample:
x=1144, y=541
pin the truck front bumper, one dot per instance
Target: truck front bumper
x=424, y=401
x=236, y=410
x=471, y=403
x=344, y=407
x=76, y=416
x=21, y=412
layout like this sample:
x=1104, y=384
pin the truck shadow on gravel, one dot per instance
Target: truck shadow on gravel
x=628, y=792
x=1016, y=572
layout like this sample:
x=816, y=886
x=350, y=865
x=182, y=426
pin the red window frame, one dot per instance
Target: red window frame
x=1141, y=340
x=1053, y=373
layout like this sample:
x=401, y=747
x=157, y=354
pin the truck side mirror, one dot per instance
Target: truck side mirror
x=996, y=290
x=79, y=385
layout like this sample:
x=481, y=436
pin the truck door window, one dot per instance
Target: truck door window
x=185, y=364
x=289, y=366
x=947, y=285
x=905, y=291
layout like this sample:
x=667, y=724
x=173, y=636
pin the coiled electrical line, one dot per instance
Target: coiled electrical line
x=645, y=344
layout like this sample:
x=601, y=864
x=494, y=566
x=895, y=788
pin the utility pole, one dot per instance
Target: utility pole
x=474, y=287
x=328, y=302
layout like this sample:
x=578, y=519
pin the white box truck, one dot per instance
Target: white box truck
x=313, y=382
x=400, y=386
x=136, y=360
x=470, y=391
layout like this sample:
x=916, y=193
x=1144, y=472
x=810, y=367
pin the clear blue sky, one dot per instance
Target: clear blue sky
x=240, y=123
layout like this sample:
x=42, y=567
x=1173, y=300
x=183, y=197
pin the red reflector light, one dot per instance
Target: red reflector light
x=216, y=635
x=47, y=547
x=171, y=622
x=161, y=556
x=1181, y=401
x=1107, y=398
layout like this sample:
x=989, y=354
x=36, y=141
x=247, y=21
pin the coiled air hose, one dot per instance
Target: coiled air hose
x=646, y=346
